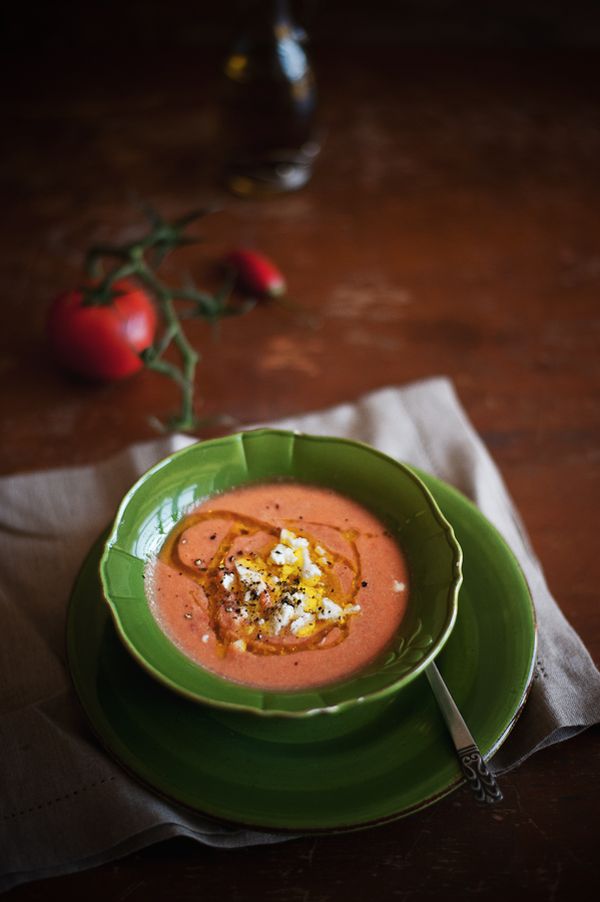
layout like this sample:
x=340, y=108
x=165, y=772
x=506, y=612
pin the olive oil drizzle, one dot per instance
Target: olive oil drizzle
x=209, y=576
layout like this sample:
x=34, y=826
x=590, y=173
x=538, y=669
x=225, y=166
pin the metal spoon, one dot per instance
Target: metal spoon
x=480, y=779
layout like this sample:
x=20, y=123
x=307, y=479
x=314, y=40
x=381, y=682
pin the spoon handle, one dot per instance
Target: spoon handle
x=478, y=776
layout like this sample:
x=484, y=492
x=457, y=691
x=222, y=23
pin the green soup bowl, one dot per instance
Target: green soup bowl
x=390, y=490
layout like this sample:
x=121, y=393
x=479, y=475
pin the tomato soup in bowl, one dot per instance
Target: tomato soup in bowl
x=282, y=574
x=279, y=586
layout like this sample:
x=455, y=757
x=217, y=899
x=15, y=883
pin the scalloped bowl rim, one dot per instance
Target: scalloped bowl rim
x=454, y=584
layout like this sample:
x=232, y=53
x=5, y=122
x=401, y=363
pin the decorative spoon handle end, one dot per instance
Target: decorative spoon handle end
x=478, y=776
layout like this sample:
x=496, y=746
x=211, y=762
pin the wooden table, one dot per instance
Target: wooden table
x=452, y=227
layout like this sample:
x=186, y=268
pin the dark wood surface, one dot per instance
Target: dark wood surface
x=452, y=227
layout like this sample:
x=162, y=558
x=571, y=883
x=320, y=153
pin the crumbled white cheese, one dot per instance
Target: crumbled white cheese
x=309, y=570
x=205, y=638
x=331, y=610
x=398, y=586
x=297, y=597
x=282, y=554
x=295, y=549
x=300, y=622
x=251, y=579
x=291, y=539
x=283, y=617
x=228, y=580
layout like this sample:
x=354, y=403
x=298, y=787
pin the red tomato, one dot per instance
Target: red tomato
x=256, y=273
x=102, y=342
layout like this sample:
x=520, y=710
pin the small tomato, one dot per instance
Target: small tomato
x=102, y=341
x=256, y=274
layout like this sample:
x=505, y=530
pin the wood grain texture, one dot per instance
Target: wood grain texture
x=452, y=227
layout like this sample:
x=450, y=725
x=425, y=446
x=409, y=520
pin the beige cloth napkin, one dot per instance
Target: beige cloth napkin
x=65, y=805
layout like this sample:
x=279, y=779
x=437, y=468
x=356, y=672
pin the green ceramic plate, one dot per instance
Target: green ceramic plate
x=374, y=763
x=164, y=494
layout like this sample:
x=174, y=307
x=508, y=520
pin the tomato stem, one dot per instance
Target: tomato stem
x=138, y=261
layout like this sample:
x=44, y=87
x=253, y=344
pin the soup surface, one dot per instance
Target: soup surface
x=281, y=586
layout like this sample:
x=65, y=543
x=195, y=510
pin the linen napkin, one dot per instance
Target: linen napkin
x=65, y=805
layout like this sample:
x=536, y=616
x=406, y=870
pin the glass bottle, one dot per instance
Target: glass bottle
x=270, y=103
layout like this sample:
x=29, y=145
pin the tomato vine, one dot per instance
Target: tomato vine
x=138, y=261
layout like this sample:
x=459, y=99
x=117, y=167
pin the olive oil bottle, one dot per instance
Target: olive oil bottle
x=269, y=103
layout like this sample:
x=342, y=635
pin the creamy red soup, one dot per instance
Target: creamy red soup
x=280, y=586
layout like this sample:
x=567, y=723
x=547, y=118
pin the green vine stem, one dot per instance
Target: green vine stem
x=138, y=261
